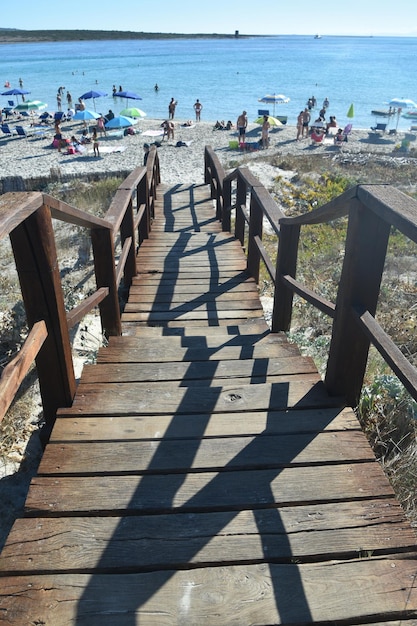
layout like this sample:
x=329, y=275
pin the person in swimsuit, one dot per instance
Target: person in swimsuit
x=197, y=108
x=241, y=125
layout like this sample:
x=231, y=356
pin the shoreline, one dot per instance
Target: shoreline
x=33, y=157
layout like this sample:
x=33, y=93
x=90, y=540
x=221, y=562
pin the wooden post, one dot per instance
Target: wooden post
x=255, y=230
x=104, y=265
x=240, y=218
x=366, y=246
x=35, y=254
x=286, y=265
x=227, y=203
x=143, y=198
x=127, y=229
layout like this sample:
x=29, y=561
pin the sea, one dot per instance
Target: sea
x=226, y=75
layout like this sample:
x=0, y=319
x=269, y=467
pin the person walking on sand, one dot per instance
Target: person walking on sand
x=96, y=147
x=171, y=108
x=197, y=108
x=300, y=120
x=306, y=122
x=265, y=132
x=241, y=125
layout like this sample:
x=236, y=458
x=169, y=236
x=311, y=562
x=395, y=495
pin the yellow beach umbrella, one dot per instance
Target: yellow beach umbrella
x=273, y=121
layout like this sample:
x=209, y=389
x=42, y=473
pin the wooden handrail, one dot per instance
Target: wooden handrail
x=371, y=211
x=27, y=219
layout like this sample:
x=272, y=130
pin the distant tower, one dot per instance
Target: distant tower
x=236, y=34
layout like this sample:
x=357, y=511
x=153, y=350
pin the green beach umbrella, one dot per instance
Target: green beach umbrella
x=273, y=121
x=133, y=112
x=351, y=112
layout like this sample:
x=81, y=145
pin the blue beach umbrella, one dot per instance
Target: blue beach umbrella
x=15, y=92
x=85, y=116
x=129, y=95
x=120, y=121
x=93, y=95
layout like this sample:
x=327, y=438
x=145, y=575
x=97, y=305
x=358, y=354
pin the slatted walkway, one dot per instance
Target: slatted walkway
x=203, y=476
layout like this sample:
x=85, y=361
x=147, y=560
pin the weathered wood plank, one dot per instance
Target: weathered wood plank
x=137, y=350
x=97, y=544
x=136, y=398
x=198, y=371
x=210, y=453
x=111, y=427
x=206, y=491
x=199, y=304
x=382, y=589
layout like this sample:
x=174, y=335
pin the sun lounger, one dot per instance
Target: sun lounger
x=379, y=129
x=7, y=130
x=22, y=132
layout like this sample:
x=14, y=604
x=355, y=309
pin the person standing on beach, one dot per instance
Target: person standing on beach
x=96, y=147
x=197, y=108
x=171, y=108
x=241, y=125
x=265, y=132
x=59, y=101
x=306, y=122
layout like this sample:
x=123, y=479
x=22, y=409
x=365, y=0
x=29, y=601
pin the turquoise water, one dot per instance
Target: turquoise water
x=226, y=75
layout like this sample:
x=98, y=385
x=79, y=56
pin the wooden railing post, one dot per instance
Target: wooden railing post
x=144, y=199
x=286, y=265
x=227, y=206
x=366, y=246
x=127, y=230
x=240, y=218
x=255, y=230
x=104, y=264
x=37, y=266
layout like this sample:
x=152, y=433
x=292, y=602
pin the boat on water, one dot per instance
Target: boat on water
x=317, y=36
x=383, y=112
x=410, y=115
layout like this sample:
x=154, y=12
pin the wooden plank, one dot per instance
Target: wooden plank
x=185, y=316
x=136, y=398
x=240, y=594
x=112, y=427
x=205, y=491
x=115, y=544
x=249, y=327
x=237, y=453
x=194, y=305
x=199, y=371
x=142, y=350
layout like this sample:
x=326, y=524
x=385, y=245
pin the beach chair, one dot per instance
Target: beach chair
x=22, y=132
x=7, y=130
x=316, y=138
x=379, y=129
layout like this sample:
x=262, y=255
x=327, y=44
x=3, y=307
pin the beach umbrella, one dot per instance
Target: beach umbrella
x=120, y=121
x=93, y=95
x=85, y=116
x=133, y=112
x=274, y=99
x=15, y=92
x=401, y=103
x=273, y=121
x=31, y=105
x=129, y=95
x=351, y=112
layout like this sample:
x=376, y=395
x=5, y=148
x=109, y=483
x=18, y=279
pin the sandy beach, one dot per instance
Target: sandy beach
x=34, y=157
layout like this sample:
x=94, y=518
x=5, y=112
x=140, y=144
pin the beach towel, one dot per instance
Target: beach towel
x=108, y=149
x=153, y=133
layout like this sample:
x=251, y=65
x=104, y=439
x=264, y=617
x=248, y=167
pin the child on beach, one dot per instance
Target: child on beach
x=95, y=143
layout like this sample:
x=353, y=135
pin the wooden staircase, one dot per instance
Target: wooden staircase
x=203, y=475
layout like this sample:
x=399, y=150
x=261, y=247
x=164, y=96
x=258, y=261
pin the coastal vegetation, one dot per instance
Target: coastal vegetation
x=11, y=35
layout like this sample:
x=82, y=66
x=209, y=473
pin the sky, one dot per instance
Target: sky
x=303, y=17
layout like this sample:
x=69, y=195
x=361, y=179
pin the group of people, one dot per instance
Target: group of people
x=319, y=128
x=197, y=106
